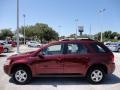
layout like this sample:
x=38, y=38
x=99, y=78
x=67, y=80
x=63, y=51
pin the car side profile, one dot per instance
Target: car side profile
x=86, y=58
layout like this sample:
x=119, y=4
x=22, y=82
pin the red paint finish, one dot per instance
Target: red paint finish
x=59, y=61
x=1, y=49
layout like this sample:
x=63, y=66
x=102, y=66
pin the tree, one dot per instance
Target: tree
x=41, y=31
x=6, y=33
x=107, y=35
x=97, y=36
x=114, y=34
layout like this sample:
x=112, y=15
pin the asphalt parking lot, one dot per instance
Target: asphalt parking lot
x=112, y=82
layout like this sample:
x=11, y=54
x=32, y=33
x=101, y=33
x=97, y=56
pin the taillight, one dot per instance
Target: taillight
x=112, y=58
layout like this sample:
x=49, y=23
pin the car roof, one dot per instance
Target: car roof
x=74, y=41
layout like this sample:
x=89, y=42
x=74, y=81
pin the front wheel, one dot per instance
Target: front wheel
x=96, y=75
x=21, y=76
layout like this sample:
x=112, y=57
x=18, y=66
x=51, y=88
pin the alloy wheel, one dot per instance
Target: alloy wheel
x=21, y=76
x=96, y=76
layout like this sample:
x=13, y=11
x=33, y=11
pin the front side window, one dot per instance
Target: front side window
x=76, y=49
x=53, y=49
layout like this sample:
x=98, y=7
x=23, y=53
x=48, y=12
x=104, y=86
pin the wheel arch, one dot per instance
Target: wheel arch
x=102, y=66
x=20, y=65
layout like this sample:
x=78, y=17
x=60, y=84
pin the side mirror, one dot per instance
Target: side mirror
x=41, y=55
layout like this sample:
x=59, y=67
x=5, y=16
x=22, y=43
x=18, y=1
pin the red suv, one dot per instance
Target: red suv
x=87, y=58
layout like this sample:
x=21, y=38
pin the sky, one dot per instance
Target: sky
x=61, y=15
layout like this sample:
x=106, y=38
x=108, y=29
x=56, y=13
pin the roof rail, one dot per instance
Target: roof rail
x=66, y=39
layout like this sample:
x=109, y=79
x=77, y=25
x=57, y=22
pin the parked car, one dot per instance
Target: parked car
x=13, y=43
x=33, y=44
x=115, y=46
x=85, y=57
x=107, y=43
x=7, y=47
x=1, y=49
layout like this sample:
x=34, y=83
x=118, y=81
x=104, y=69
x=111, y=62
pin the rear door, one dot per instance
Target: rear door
x=75, y=59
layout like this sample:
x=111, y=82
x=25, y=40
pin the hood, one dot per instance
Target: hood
x=21, y=55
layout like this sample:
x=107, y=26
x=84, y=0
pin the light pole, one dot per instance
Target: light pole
x=100, y=12
x=90, y=32
x=24, y=27
x=17, y=26
x=76, y=20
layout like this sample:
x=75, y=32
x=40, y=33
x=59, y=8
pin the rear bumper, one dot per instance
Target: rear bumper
x=111, y=68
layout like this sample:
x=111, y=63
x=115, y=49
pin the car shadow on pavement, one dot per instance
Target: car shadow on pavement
x=112, y=79
x=59, y=81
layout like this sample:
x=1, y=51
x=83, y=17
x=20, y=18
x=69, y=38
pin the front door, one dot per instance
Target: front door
x=52, y=60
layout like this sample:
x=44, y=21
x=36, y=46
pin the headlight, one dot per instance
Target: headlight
x=7, y=62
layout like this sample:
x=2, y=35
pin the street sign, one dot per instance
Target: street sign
x=80, y=28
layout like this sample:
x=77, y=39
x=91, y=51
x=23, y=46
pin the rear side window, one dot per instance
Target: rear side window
x=74, y=48
x=99, y=48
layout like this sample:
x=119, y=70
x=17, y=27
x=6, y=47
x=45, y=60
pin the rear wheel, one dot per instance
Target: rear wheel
x=21, y=76
x=29, y=46
x=96, y=75
x=118, y=49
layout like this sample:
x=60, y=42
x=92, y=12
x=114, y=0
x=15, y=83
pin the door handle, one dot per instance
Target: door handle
x=59, y=58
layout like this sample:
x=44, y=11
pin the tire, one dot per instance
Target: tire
x=5, y=50
x=118, y=49
x=21, y=76
x=29, y=46
x=100, y=75
x=38, y=46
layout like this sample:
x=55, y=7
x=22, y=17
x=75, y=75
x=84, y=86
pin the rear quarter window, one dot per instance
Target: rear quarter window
x=99, y=48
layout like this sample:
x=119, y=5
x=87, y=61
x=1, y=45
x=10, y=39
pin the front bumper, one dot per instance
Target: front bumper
x=7, y=69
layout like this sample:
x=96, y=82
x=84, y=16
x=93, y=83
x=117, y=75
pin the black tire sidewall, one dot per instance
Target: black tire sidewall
x=29, y=76
x=118, y=49
x=90, y=72
x=5, y=50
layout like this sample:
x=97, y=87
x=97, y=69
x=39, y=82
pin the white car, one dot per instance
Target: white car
x=34, y=44
x=7, y=47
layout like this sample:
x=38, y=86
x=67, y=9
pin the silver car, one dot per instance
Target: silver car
x=7, y=47
x=114, y=46
x=33, y=44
